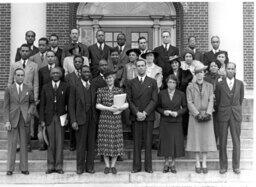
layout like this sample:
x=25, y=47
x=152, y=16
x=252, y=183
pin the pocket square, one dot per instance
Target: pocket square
x=26, y=93
x=149, y=86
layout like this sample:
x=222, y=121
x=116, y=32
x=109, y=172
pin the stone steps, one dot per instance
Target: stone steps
x=126, y=165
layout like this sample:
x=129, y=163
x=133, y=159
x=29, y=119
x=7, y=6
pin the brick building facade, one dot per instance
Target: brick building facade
x=191, y=19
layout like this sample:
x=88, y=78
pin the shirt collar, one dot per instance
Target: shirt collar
x=84, y=82
x=53, y=84
x=54, y=49
x=230, y=80
x=26, y=61
x=49, y=66
x=215, y=51
x=17, y=86
x=143, y=78
x=168, y=45
x=98, y=44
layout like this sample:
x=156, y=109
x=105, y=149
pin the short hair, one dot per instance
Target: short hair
x=166, y=31
x=50, y=51
x=121, y=33
x=25, y=45
x=100, y=30
x=17, y=69
x=215, y=37
x=103, y=59
x=172, y=77
x=141, y=37
x=58, y=68
x=139, y=60
x=191, y=37
x=74, y=29
x=231, y=63
x=217, y=62
x=79, y=56
x=44, y=39
x=55, y=35
x=86, y=66
x=30, y=31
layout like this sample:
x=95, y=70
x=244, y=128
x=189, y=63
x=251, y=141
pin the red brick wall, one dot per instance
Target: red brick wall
x=248, y=18
x=195, y=22
x=5, y=45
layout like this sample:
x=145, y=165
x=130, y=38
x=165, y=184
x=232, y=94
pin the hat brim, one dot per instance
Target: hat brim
x=135, y=50
x=200, y=69
x=177, y=58
x=152, y=52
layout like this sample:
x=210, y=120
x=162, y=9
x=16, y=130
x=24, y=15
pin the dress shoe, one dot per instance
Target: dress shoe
x=49, y=171
x=204, y=170
x=9, y=173
x=197, y=170
x=72, y=148
x=113, y=170
x=25, y=172
x=166, y=169
x=60, y=171
x=106, y=170
x=149, y=170
x=42, y=148
x=79, y=172
x=135, y=171
x=17, y=149
x=237, y=171
x=172, y=169
x=119, y=158
x=222, y=171
x=90, y=171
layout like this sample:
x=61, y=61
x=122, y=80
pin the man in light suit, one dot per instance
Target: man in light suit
x=53, y=104
x=198, y=55
x=74, y=36
x=18, y=107
x=98, y=51
x=72, y=79
x=40, y=57
x=166, y=51
x=30, y=37
x=210, y=56
x=31, y=76
x=80, y=111
x=229, y=99
x=142, y=97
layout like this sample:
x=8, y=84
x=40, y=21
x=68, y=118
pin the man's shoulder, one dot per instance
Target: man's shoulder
x=159, y=48
x=92, y=46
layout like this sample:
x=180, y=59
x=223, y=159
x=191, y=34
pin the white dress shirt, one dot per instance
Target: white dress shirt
x=19, y=86
x=102, y=45
x=85, y=83
x=230, y=82
x=53, y=84
x=168, y=45
x=143, y=78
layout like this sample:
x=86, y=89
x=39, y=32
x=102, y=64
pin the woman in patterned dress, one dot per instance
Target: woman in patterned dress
x=110, y=134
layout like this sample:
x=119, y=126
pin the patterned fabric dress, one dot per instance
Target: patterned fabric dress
x=110, y=133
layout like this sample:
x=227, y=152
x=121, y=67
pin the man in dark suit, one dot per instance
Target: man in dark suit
x=210, y=56
x=142, y=97
x=80, y=111
x=54, y=44
x=165, y=51
x=18, y=107
x=98, y=51
x=30, y=37
x=198, y=55
x=74, y=35
x=229, y=99
x=142, y=45
x=72, y=79
x=96, y=83
x=53, y=104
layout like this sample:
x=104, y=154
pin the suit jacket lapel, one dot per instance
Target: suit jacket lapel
x=226, y=88
x=81, y=90
x=15, y=91
x=23, y=92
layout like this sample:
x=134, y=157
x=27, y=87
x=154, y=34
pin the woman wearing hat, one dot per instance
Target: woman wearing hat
x=110, y=134
x=200, y=137
x=153, y=70
x=68, y=62
x=213, y=77
x=171, y=105
x=184, y=77
x=223, y=60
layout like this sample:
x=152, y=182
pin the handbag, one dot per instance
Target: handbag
x=203, y=117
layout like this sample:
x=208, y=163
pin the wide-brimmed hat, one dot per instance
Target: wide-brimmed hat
x=135, y=50
x=73, y=47
x=109, y=72
x=174, y=58
x=200, y=67
x=148, y=52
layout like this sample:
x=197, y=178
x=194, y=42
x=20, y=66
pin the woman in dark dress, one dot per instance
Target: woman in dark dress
x=110, y=133
x=171, y=105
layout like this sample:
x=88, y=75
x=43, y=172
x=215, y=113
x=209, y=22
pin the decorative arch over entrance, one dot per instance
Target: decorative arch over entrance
x=133, y=18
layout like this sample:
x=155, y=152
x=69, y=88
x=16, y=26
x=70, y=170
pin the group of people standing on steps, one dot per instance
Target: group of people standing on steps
x=191, y=97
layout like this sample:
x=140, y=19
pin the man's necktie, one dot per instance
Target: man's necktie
x=165, y=47
x=42, y=57
x=55, y=87
x=120, y=50
x=141, y=80
x=20, y=91
x=24, y=64
x=230, y=85
x=101, y=47
x=87, y=86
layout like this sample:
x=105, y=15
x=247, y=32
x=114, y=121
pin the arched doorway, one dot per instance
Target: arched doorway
x=135, y=19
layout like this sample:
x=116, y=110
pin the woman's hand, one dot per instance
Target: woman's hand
x=114, y=109
x=167, y=112
x=174, y=114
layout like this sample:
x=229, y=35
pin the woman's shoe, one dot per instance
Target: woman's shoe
x=172, y=169
x=166, y=169
x=205, y=170
x=113, y=170
x=106, y=170
x=197, y=170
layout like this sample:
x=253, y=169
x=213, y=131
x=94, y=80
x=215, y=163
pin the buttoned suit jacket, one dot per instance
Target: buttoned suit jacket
x=142, y=97
x=14, y=106
x=163, y=59
x=47, y=101
x=33, y=52
x=31, y=76
x=123, y=58
x=44, y=77
x=226, y=103
x=95, y=55
x=37, y=59
x=79, y=103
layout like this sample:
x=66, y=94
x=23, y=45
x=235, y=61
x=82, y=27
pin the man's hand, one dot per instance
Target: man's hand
x=42, y=124
x=75, y=126
x=8, y=126
x=37, y=102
